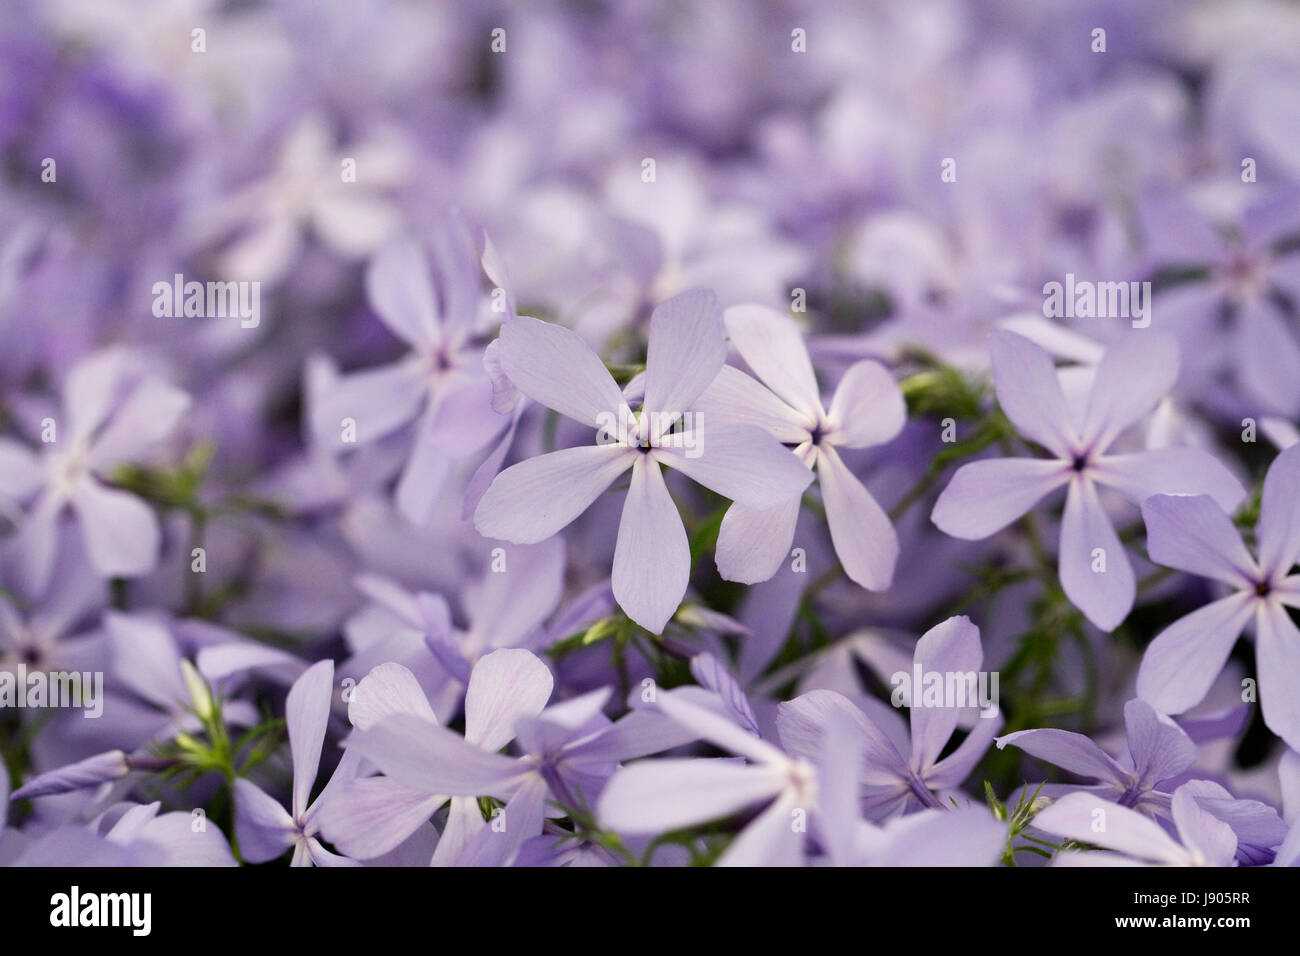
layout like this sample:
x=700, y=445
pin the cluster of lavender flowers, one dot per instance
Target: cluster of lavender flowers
x=630, y=433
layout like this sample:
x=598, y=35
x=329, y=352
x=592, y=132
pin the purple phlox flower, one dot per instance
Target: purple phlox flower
x=727, y=246
x=440, y=384
x=954, y=836
x=1192, y=534
x=100, y=429
x=47, y=637
x=986, y=496
x=656, y=796
x=264, y=828
x=505, y=606
x=949, y=655
x=534, y=499
x=867, y=409
x=424, y=763
x=1258, y=827
x=1135, y=839
x=306, y=187
x=130, y=834
x=568, y=750
x=1249, y=266
x=178, y=836
x=1158, y=750
x=150, y=697
x=225, y=659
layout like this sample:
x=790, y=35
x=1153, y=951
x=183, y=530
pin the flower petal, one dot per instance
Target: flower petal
x=772, y=345
x=505, y=687
x=1191, y=533
x=1030, y=392
x=1104, y=596
x=552, y=365
x=534, y=499
x=739, y=462
x=1130, y=379
x=984, y=497
x=1279, y=514
x=1277, y=656
x=752, y=543
x=867, y=408
x=652, y=558
x=1183, y=660
x=685, y=352
x=1169, y=471
x=863, y=535
x=306, y=713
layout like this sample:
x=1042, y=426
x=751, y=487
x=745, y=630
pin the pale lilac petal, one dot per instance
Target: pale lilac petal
x=1067, y=750
x=400, y=290
x=505, y=687
x=1169, y=471
x=1210, y=838
x=1191, y=533
x=89, y=391
x=1105, y=597
x=717, y=729
x=655, y=796
x=552, y=365
x=464, y=821
x=1130, y=379
x=424, y=475
x=752, y=543
x=652, y=558
x=863, y=535
x=120, y=531
x=949, y=648
x=772, y=345
x=771, y=839
x=183, y=845
x=950, y=772
x=1030, y=392
x=20, y=470
x=369, y=817
x=521, y=819
x=685, y=351
x=387, y=690
x=1086, y=818
x=146, y=418
x=429, y=758
x=740, y=462
x=378, y=401
x=1268, y=356
x=867, y=408
x=966, y=836
x=1279, y=514
x=1159, y=747
x=506, y=605
x=984, y=497
x=1183, y=660
x=534, y=499
x=802, y=724
x=1277, y=657
x=263, y=828
x=306, y=713
x=733, y=398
